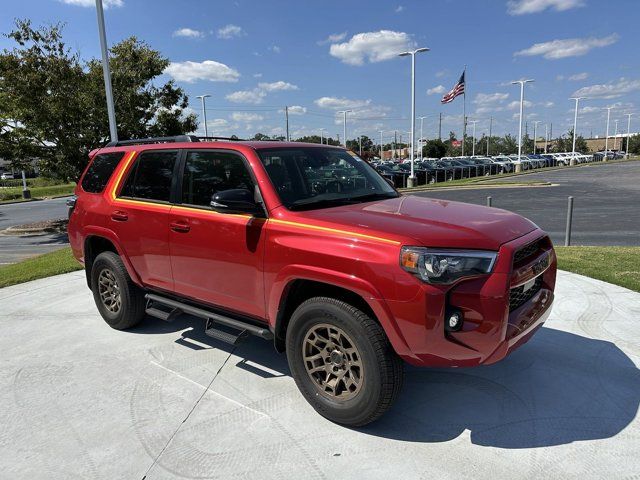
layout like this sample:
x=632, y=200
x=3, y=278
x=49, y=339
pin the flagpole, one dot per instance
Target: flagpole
x=464, y=110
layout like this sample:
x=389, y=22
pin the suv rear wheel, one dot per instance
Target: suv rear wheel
x=120, y=302
x=342, y=361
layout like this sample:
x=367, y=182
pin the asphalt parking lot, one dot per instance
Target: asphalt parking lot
x=606, y=202
x=16, y=248
x=163, y=401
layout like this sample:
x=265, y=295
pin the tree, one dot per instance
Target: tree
x=634, y=144
x=57, y=101
x=434, y=149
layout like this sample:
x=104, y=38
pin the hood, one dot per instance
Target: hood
x=429, y=222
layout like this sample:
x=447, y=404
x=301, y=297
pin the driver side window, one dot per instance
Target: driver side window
x=207, y=173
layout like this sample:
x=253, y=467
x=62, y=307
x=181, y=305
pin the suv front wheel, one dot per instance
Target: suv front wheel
x=342, y=361
x=120, y=301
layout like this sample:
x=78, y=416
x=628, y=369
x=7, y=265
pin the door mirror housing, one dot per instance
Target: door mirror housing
x=237, y=200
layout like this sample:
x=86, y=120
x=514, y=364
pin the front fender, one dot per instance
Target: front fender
x=359, y=286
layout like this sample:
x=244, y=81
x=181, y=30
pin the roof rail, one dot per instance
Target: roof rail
x=231, y=139
x=142, y=141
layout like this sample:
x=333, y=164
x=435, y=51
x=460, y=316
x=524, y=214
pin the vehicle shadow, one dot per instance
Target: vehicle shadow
x=559, y=388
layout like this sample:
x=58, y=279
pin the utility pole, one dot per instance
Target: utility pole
x=395, y=143
x=344, y=124
x=615, y=137
x=286, y=114
x=546, y=136
x=535, y=131
x=321, y=130
x=106, y=72
x=489, y=137
x=606, y=140
x=204, y=113
x=381, y=157
x=421, y=136
x=440, y=127
x=628, y=133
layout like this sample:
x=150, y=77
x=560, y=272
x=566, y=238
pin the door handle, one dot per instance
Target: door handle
x=119, y=216
x=180, y=227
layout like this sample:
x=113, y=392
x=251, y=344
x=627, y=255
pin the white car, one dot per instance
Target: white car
x=7, y=176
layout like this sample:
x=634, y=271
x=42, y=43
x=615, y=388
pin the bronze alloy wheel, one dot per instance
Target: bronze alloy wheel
x=333, y=362
x=109, y=290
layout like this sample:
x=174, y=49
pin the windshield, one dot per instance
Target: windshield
x=315, y=177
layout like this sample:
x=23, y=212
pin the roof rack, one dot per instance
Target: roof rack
x=142, y=141
x=231, y=139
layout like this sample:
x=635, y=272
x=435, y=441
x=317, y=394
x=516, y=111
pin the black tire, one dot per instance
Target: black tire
x=131, y=298
x=381, y=373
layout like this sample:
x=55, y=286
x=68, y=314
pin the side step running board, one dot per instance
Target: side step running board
x=177, y=308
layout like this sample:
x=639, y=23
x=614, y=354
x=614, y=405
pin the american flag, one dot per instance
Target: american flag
x=455, y=91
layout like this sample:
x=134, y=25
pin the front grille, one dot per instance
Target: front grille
x=518, y=296
x=527, y=251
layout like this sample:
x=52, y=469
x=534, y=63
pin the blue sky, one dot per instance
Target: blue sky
x=253, y=57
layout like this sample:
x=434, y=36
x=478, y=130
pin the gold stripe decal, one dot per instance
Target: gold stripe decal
x=334, y=230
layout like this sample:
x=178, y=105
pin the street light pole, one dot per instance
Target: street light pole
x=381, y=157
x=321, y=130
x=412, y=178
x=204, y=113
x=615, y=137
x=344, y=124
x=490, y=131
x=521, y=83
x=106, y=72
x=572, y=161
x=606, y=139
x=473, y=138
x=535, y=131
x=421, y=136
x=546, y=136
x=628, y=133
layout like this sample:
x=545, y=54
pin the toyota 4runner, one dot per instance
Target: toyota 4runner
x=307, y=246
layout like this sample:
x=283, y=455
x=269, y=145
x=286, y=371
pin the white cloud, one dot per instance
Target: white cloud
x=609, y=90
x=523, y=7
x=297, y=110
x=371, y=46
x=490, y=98
x=92, y=3
x=399, y=9
x=257, y=75
x=515, y=105
x=230, y=31
x=340, y=103
x=571, y=47
x=579, y=76
x=442, y=73
x=188, y=33
x=438, y=89
x=208, y=70
x=246, y=117
x=254, y=96
x=275, y=49
x=334, y=37
x=548, y=104
x=277, y=86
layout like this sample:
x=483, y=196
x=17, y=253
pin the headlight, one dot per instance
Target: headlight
x=446, y=266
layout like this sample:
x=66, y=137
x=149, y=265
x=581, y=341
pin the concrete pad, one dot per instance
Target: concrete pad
x=80, y=400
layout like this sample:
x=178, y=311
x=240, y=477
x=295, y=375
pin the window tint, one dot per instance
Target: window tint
x=100, y=171
x=150, y=178
x=206, y=173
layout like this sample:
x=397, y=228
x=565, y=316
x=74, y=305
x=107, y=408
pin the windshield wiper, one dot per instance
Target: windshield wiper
x=374, y=196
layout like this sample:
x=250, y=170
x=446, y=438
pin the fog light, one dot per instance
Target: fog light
x=454, y=321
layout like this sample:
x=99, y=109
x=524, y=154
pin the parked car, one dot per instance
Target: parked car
x=7, y=176
x=347, y=277
x=504, y=161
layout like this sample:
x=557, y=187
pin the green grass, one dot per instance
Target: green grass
x=617, y=265
x=47, y=265
x=15, y=193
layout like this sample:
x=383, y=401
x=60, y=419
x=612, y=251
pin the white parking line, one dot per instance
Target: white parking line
x=209, y=390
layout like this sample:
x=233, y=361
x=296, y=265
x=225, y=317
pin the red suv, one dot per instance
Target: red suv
x=308, y=246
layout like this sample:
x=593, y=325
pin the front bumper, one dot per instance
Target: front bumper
x=493, y=325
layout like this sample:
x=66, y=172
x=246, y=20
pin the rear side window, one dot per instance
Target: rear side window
x=151, y=176
x=100, y=171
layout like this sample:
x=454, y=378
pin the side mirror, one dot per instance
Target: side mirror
x=237, y=200
x=389, y=181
